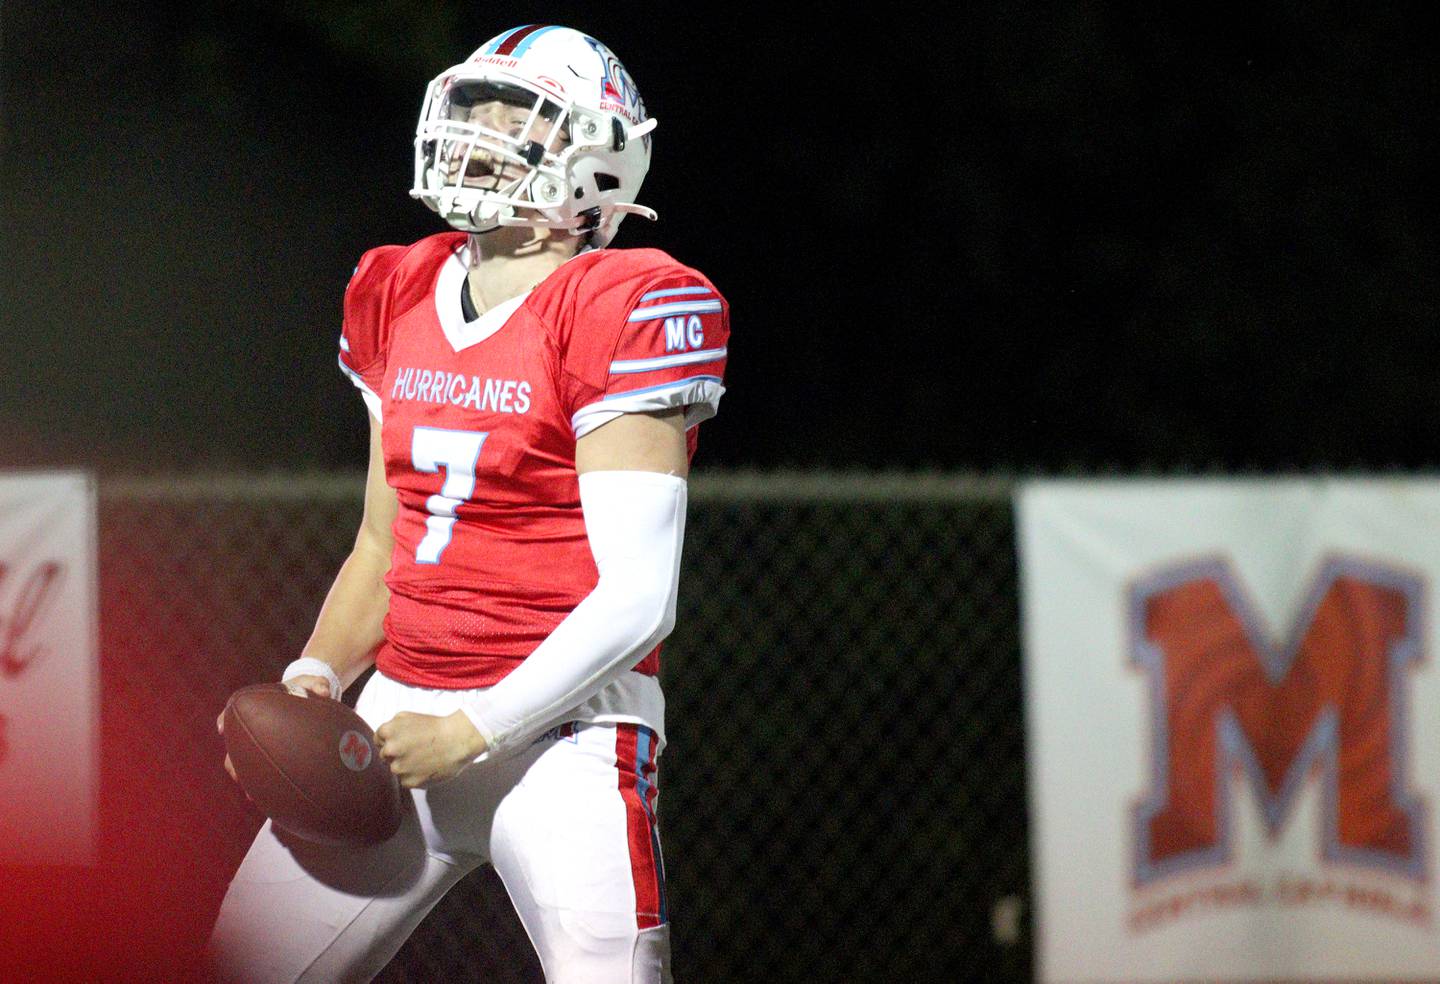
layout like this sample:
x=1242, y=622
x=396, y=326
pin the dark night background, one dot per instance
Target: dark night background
x=1087, y=236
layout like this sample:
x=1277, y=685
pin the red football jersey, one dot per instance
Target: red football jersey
x=479, y=421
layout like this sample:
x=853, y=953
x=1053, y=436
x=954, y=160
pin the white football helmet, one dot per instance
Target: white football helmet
x=542, y=126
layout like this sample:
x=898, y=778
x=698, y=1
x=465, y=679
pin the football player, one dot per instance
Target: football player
x=533, y=398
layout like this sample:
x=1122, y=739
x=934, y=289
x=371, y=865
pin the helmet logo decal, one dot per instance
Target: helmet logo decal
x=618, y=92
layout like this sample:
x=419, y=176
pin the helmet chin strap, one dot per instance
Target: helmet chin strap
x=489, y=216
x=631, y=208
x=576, y=224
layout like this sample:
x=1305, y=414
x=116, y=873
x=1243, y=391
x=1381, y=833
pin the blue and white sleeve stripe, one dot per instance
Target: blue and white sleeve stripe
x=624, y=366
x=699, y=395
x=670, y=310
x=675, y=292
x=679, y=384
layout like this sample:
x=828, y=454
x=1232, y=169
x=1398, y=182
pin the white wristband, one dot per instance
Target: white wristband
x=310, y=666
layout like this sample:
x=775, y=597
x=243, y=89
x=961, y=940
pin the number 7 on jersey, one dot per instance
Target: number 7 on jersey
x=456, y=451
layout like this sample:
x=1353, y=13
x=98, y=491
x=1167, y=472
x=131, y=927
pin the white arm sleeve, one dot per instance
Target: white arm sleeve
x=636, y=525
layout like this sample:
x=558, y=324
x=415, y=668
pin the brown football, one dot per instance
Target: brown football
x=311, y=765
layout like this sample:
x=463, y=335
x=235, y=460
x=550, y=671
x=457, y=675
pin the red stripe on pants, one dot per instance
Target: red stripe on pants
x=643, y=865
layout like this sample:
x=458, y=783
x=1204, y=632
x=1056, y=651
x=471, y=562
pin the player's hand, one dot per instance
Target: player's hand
x=307, y=685
x=424, y=749
x=300, y=686
x=229, y=766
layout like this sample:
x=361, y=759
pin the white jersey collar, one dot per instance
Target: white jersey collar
x=461, y=333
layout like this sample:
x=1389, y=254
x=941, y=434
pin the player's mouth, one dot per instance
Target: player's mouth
x=480, y=170
x=483, y=163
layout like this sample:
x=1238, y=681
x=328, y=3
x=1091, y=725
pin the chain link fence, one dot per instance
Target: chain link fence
x=843, y=794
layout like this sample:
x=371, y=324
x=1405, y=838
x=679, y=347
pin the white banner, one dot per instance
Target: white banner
x=49, y=670
x=1233, y=723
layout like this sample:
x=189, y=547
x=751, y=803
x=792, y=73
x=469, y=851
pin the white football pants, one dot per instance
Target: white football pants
x=569, y=826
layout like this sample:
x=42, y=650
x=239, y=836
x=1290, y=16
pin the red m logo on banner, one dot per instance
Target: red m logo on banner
x=1329, y=703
